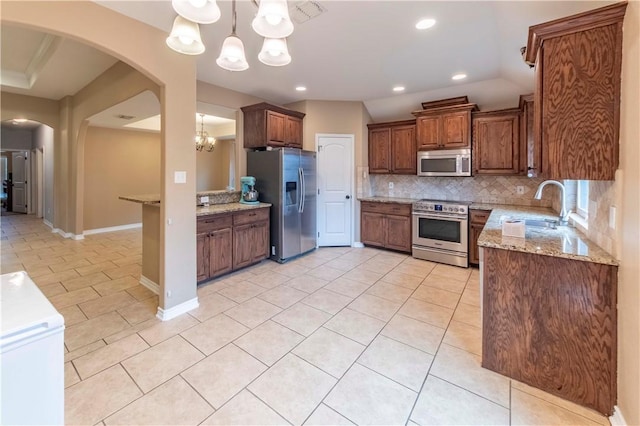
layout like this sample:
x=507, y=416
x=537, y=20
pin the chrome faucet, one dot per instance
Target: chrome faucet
x=564, y=214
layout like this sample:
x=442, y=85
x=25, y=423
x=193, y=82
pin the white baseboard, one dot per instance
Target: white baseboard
x=63, y=234
x=112, y=228
x=167, y=314
x=154, y=287
x=616, y=418
x=357, y=244
x=49, y=224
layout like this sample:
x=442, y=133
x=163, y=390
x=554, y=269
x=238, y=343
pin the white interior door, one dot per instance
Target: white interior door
x=335, y=186
x=19, y=176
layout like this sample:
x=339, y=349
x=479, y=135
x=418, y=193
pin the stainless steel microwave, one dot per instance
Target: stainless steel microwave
x=453, y=162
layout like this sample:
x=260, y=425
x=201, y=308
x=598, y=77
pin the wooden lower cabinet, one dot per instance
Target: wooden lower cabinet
x=220, y=260
x=250, y=244
x=230, y=241
x=373, y=229
x=202, y=252
x=551, y=323
x=477, y=220
x=399, y=233
x=386, y=225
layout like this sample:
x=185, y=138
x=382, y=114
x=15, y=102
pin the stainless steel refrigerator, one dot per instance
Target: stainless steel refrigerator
x=286, y=178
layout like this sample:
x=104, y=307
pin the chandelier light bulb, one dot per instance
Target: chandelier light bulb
x=199, y=11
x=232, y=56
x=185, y=37
x=274, y=52
x=272, y=19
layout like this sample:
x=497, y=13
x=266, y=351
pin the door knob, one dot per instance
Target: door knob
x=348, y=197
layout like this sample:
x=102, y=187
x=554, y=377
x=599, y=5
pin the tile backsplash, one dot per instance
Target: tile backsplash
x=478, y=189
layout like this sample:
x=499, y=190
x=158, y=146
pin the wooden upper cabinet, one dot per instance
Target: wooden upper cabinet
x=496, y=143
x=275, y=128
x=403, y=149
x=577, y=94
x=271, y=125
x=380, y=151
x=531, y=153
x=293, y=132
x=455, y=130
x=392, y=147
x=444, y=127
x=428, y=133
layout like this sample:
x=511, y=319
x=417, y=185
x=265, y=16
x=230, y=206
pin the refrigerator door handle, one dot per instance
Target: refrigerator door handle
x=301, y=179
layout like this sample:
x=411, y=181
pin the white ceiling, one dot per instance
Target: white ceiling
x=356, y=50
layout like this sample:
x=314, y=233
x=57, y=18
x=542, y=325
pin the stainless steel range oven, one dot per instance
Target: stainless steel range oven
x=440, y=232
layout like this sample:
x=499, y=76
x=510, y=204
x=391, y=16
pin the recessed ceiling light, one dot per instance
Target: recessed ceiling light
x=423, y=24
x=301, y=88
x=20, y=120
x=460, y=76
x=398, y=89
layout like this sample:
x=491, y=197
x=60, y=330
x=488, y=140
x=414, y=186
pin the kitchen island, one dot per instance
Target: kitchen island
x=226, y=202
x=549, y=309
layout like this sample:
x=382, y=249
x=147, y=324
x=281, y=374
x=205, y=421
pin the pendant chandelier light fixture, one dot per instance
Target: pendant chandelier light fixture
x=272, y=22
x=203, y=140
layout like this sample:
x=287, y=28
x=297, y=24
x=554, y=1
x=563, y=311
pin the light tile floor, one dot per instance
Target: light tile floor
x=339, y=336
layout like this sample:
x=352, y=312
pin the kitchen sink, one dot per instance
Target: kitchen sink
x=541, y=223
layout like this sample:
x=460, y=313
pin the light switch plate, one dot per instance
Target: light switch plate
x=180, y=177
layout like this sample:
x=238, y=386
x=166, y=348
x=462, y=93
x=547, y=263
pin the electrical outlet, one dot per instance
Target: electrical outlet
x=612, y=217
x=519, y=189
x=390, y=185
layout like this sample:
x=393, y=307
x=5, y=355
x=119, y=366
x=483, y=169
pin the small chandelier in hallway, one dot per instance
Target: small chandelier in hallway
x=203, y=140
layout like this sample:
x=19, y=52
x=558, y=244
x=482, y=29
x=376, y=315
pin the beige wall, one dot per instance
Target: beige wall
x=216, y=95
x=117, y=84
x=629, y=225
x=118, y=162
x=339, y=117
x=143, y=47
x=213, y=167
x=43, y=138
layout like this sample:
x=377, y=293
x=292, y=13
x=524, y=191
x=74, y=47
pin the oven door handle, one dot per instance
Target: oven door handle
x=449, y=218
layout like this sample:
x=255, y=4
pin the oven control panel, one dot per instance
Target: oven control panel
x=429, y=206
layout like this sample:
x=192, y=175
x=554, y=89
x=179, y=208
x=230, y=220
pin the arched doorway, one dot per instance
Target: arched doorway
x=142, y=47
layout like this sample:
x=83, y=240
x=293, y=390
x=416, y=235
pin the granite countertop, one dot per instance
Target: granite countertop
x=389, y=200
x=565, y=241
x=142, y=199
x=227, y=208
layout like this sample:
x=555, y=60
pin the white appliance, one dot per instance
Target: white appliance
x=449, y=162
x=440, y=232
x=31, y=354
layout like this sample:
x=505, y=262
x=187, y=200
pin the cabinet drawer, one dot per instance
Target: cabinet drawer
x=479, y=216
x=250, y=216
x=213, y=223
x=386, y=208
